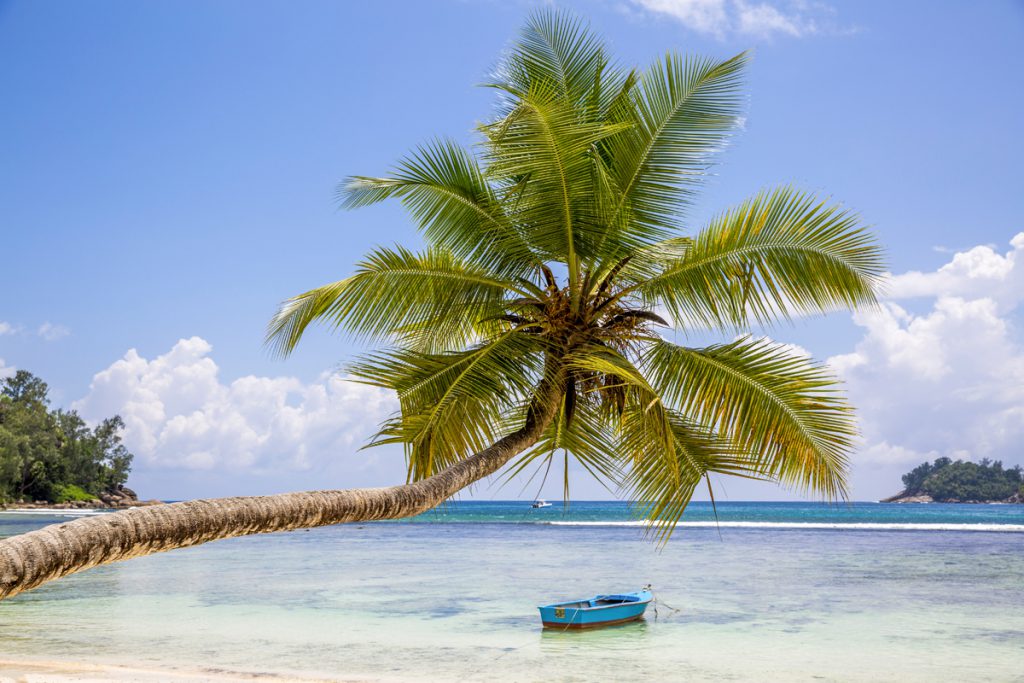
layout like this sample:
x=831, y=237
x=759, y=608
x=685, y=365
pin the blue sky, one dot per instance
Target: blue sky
x=167, y=172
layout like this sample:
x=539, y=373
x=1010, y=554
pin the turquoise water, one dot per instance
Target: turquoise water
x=749, y=513
x=792, y=592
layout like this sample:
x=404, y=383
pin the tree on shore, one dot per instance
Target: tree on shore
x=530, y=323
x=949, y=481
x=53, y=455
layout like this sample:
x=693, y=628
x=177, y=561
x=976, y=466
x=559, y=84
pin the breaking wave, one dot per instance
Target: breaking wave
x=848, y=526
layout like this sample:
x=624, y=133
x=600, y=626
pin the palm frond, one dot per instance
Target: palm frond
x=557, y=52
x=444, y=189
x=552, y=254
x=683, y=112
x=780, y=254
x=586, y=437
x=667, y=459
x=431, y=300
x=783, y=410
x=542, y=152
x=451, y=403
x=663, y=456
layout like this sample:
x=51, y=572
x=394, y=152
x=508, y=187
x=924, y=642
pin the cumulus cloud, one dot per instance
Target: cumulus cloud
x=721, y=18
x=948, y=380
x=51, y=332
x=6, y=328
x=179, y=414
x=6, y=370
x=980, y=272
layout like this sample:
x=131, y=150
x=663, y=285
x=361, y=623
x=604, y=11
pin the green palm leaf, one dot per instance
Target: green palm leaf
x=586, y=437
x=779, y=254
x=431, y=300
x=784, y=409
x=449, y=402
x=541, y=151
x=664, y=456
x=550, y=253
x=668, y=459
x=684, y=111
x=555, y=52
x=444, y=189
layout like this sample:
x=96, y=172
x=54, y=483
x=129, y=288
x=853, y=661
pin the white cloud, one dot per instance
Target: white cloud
x=704, y=16
x=6, y=328
x=764, y=20
x=721, y=18
x=6, y=370
x=885, y=453
x=51, y=332
x=794, y=350
x=948, y=380
x=178, y=413
x=977, y=272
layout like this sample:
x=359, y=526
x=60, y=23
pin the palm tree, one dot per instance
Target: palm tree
x=556, y=254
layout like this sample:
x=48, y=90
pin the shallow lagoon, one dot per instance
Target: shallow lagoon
x=455, y=600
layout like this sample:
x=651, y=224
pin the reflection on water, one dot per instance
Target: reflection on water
x=458, y=602
x=617, y=636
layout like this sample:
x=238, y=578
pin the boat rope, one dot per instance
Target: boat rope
x=658, y=601
x=506, y=650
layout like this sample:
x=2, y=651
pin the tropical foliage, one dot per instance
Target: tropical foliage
x=53, y=455
x=558, y=261
x=949, y=481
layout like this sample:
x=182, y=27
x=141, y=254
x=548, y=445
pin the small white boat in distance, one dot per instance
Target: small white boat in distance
x=541, y=504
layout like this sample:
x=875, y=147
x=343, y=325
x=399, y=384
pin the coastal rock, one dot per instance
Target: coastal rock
x=925, y=498
x=902, y=497
x=120, y=499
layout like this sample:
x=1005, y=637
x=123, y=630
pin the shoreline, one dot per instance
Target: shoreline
x=80, y=506
x=59, y=671
x=925, y=499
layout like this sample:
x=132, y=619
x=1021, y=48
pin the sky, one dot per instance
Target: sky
x=168, y=170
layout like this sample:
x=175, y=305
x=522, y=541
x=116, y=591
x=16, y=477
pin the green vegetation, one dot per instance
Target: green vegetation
x=65, y=493
x=949, y=481
x=53, y=455
x=556, y=249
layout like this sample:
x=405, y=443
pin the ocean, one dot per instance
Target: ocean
x=769, y=592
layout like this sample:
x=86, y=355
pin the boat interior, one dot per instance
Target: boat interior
x=600, y=601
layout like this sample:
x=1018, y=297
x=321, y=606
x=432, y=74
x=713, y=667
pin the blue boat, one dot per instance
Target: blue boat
x=600, y=610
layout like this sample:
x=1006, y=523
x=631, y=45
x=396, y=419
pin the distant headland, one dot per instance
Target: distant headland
x=960, y=481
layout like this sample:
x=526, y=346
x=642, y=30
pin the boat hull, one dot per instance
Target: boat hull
x=596, y=624
x=596, y=612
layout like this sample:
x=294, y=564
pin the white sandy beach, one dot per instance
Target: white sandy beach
x=42, y=671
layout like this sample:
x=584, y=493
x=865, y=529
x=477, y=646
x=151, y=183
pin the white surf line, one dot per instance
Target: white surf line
x=853, y=526
x=57, y=512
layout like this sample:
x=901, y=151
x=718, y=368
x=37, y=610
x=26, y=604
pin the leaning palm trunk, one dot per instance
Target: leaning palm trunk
x=31, y=559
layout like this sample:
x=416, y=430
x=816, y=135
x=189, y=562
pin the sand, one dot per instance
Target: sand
x=39, y=671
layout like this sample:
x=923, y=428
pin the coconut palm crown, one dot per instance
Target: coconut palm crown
x=557, y=255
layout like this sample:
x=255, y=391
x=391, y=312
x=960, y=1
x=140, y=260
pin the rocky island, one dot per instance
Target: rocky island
x=961, y=481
